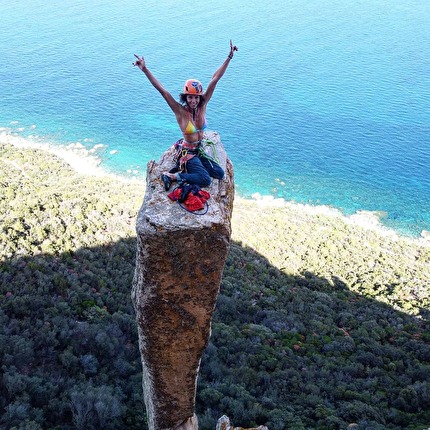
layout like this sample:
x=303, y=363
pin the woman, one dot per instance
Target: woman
x=193, y=166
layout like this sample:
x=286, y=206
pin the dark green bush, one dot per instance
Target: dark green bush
x=318, y=324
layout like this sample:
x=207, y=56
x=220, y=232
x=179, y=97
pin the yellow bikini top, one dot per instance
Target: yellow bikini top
x=191, y=128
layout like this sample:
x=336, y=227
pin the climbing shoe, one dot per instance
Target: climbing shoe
x=166, y=181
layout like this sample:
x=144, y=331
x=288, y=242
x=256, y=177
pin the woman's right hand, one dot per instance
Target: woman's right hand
x=140, y=62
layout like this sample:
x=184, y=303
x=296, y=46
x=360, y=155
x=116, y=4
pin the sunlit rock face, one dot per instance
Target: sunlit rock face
x=180, y=259
x=224, y=424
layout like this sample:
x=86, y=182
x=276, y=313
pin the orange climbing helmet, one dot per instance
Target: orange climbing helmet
x=194, y=87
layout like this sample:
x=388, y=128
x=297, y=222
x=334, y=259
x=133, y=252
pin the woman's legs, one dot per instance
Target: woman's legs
x=199, y=171
x=195, y=173
x=212, y=167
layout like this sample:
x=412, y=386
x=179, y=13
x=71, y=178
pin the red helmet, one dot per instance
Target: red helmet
x=194, y=87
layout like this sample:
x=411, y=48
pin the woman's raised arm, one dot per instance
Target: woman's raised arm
x=219, y=73
x=140, y=62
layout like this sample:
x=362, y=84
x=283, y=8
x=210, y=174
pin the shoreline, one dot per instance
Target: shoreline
x=88, y=162
x=366, y=220
x=82, y=160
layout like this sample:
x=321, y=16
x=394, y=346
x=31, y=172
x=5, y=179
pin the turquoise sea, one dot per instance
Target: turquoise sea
x=326, y=102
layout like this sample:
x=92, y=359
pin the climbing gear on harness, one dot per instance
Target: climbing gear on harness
x=185, y=151
x=193, y=87
x=191, y=198
x=206, y=143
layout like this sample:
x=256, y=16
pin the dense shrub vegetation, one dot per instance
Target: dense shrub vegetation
x=319, y=323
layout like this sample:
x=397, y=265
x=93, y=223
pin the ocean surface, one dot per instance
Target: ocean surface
x=327, y=102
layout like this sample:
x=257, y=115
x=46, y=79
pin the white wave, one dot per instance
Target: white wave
x=370, y=220
x=81, y=159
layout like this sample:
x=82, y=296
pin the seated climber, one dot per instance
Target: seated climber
x=193, y=166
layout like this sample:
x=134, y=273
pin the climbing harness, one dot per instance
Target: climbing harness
x=185, y=151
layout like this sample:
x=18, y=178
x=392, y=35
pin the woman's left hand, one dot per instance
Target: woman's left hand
x=140, y=62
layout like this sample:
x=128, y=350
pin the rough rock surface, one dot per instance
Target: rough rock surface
x=224, y=424
x=179, y=263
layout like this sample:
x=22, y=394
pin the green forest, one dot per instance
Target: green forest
x=320, y=323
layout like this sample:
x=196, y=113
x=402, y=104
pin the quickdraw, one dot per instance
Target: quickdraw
x=185, y=156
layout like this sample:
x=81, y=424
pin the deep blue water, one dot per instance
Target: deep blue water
x=326, y=101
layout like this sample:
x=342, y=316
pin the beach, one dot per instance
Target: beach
x=87, y=162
